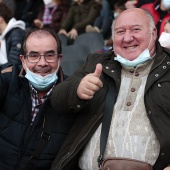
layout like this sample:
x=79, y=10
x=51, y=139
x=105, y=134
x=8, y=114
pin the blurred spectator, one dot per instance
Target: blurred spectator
x=81, y=13
x=11, y=4
x=131, y=4
x=167, y=26
x=142, y=2
x=103, y=23
x=164, y=38
x=11, y=36
x=27, y=10
x=160, y=12
x=135, y=3
x=52, y=14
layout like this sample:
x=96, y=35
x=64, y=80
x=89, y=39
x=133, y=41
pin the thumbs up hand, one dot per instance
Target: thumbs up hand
x=90, y=84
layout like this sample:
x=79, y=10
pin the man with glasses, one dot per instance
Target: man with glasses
x=31, y=132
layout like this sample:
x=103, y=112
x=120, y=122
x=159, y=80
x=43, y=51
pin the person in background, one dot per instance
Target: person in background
x=131, y=4
x=119, y=7
x=31, y=132
x=11, y=36
x=160, y=12
x=136, y=3
x=164, y=38
x=138, y=71
x=52, y=15
x=11, y=5
x=80, y=14
x=27, y=11
x=103, y=22
x=167, y=26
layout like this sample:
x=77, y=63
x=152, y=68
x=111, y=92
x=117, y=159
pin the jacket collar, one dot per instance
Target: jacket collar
x=160, y=66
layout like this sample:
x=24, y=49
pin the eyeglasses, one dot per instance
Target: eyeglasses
x=35, y=57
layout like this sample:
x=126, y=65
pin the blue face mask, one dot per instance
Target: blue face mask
x=41, y=83
x=142, y=58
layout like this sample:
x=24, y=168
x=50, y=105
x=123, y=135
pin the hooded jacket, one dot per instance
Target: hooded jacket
x=11, y=40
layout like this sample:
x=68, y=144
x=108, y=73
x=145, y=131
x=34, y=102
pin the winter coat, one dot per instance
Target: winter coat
x=11, y=42
x=58, y=16
x=79, y=16
x=153, y=9
x=89, y=113
x=18, y=139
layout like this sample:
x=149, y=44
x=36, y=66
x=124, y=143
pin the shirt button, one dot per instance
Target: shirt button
x=164, y=67
x=168, y=63
x=159, y=85
x=78, y=106
x=136, y=74
x=128, y=103
x=107, y=68
x=131, y=71
x=132, y=89
x=156, y=75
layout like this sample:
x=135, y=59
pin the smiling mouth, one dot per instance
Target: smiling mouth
x=130, y=47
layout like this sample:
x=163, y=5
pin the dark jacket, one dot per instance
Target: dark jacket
x=28, y=11
x=58, y=16
x=79, y=16
x=89, y=113
x=160, y=18
x=18, y=139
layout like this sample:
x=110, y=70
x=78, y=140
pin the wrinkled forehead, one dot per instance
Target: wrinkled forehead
x=132, y=17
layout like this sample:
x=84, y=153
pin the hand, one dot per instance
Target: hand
x=130, y=4
x=62, y=31
x=167, y=168
x=73, y=34
x=90, y=84
x=38, y=23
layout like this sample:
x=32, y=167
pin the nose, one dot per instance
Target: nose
x=42, y=61
x=128, y=37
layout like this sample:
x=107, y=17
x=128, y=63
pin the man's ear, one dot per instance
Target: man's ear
x=23, y=61
x=61, y=56
x=154, y=33
x=21, y=57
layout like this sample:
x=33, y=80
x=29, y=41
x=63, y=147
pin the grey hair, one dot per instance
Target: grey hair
x=148, y=14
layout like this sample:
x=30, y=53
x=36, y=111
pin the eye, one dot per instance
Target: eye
x=136, y=29
x=50, y=54
x=120, y=32
x=34, y=55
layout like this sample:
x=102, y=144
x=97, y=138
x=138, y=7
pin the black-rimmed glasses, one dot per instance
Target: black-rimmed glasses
x=35, y=57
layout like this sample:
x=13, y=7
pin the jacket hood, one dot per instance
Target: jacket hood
x=13, y=23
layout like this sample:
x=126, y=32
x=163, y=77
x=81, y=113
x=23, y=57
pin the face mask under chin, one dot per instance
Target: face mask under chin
x=39, y=82
x=142, y=58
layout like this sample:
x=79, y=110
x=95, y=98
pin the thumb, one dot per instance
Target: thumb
x=98, y=70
